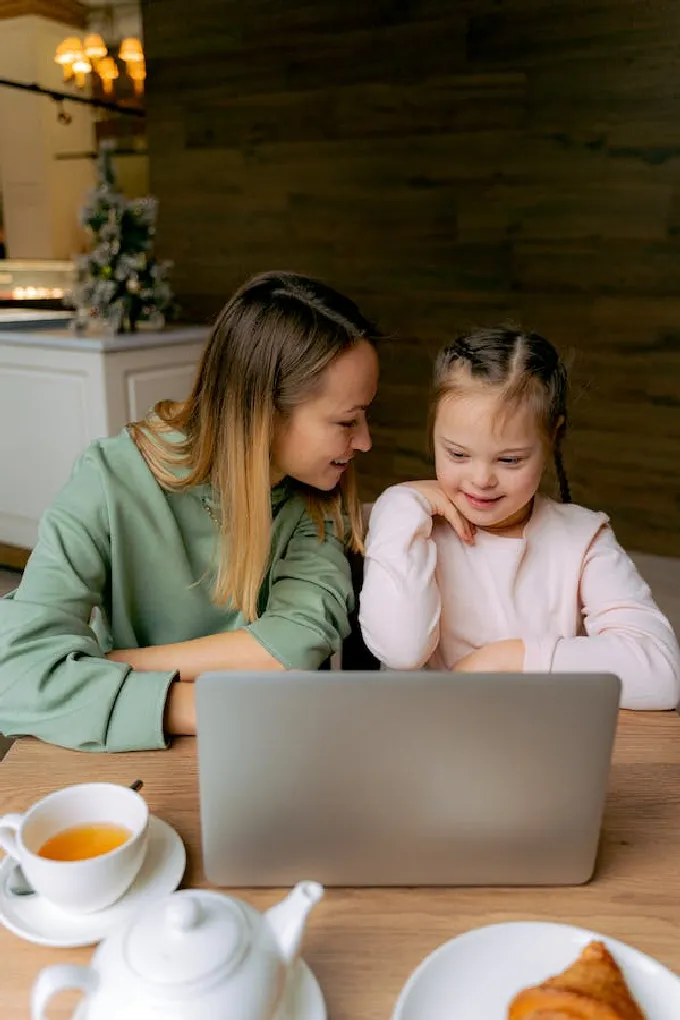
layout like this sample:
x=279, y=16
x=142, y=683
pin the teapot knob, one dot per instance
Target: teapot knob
x=183, y=913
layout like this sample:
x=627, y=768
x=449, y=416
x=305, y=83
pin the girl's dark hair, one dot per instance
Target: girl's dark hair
x=525, y=366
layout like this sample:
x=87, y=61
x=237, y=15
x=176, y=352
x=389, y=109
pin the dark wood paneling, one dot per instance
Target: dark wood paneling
x=66, y=12
x=448, y=164
x=13, y=556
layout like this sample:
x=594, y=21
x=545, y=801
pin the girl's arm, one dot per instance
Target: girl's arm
x=400, y=603
x=627, y=634
x=497, y=657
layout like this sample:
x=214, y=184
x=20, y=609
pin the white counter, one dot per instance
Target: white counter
x=59, y=391
x=64, y=339
x=14, y=319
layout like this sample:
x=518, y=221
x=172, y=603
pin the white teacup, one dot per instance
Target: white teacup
x=85, y=885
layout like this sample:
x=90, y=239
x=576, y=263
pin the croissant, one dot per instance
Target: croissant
x=592, y=988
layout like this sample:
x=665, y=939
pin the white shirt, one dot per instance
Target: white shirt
x=566, y=588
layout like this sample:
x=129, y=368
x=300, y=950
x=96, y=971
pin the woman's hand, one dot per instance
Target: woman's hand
x=497, y=657
x=180, y=711
x=127, y=655
x=441, y=506
x=180, y=707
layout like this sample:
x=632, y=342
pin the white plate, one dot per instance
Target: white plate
x=33, y=918
x=475, y=976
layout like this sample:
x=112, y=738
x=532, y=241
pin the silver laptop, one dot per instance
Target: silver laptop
x=403, y=778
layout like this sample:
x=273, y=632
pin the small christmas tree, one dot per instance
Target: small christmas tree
x=119, y=281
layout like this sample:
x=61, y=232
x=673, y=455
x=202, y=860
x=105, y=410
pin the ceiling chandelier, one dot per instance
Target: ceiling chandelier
x=80, y=58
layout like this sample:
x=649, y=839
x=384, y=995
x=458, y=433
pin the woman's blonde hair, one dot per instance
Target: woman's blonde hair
x=267, y=353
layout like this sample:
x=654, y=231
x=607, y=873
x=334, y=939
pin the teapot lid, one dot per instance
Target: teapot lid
x=187, y=937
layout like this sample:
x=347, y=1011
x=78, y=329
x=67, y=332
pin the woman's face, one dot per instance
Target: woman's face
x=319, y=439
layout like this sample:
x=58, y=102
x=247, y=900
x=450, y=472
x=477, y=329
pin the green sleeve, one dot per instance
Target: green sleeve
x=307, y=615
x=55, y=683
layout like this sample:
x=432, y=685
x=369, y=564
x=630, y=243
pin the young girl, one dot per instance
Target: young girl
x=478, y=572
x=209, y=536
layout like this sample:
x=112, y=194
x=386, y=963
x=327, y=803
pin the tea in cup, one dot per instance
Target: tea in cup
x=82, y=847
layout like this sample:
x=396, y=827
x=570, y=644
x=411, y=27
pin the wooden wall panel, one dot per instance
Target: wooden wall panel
x=66, y=12
x=448, y=165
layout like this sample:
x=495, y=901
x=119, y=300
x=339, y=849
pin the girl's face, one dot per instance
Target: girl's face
x=319, y=439
x=489, y=460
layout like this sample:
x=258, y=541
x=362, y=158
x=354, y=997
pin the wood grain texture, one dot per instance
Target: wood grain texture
x=448, y=165
x=66, y=12
x=14, y=556
x=363, y=944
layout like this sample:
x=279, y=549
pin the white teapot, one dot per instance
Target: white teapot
x=193, y=955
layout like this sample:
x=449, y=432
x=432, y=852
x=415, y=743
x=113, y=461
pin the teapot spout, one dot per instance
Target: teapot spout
x=287, y=919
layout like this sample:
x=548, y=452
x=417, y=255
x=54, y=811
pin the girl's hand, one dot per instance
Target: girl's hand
x=441, y=506
x=497, y=657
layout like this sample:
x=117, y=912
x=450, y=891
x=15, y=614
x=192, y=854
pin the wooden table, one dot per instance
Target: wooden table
x=363, y=944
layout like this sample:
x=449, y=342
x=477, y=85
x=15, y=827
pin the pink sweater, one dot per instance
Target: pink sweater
x=566, y=588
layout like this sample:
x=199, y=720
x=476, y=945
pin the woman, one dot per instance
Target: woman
x=210, y=535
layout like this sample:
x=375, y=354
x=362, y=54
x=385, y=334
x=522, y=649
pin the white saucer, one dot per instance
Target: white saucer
x=303, y=999
x=478, y=974
x=34, y=919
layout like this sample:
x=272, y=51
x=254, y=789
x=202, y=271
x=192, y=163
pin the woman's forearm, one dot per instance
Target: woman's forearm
x=180, y=711
x=236, y=650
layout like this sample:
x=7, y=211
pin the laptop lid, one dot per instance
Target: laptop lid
x=403, y=778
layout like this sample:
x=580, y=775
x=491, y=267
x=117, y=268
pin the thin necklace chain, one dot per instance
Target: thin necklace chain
x=210, y=512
